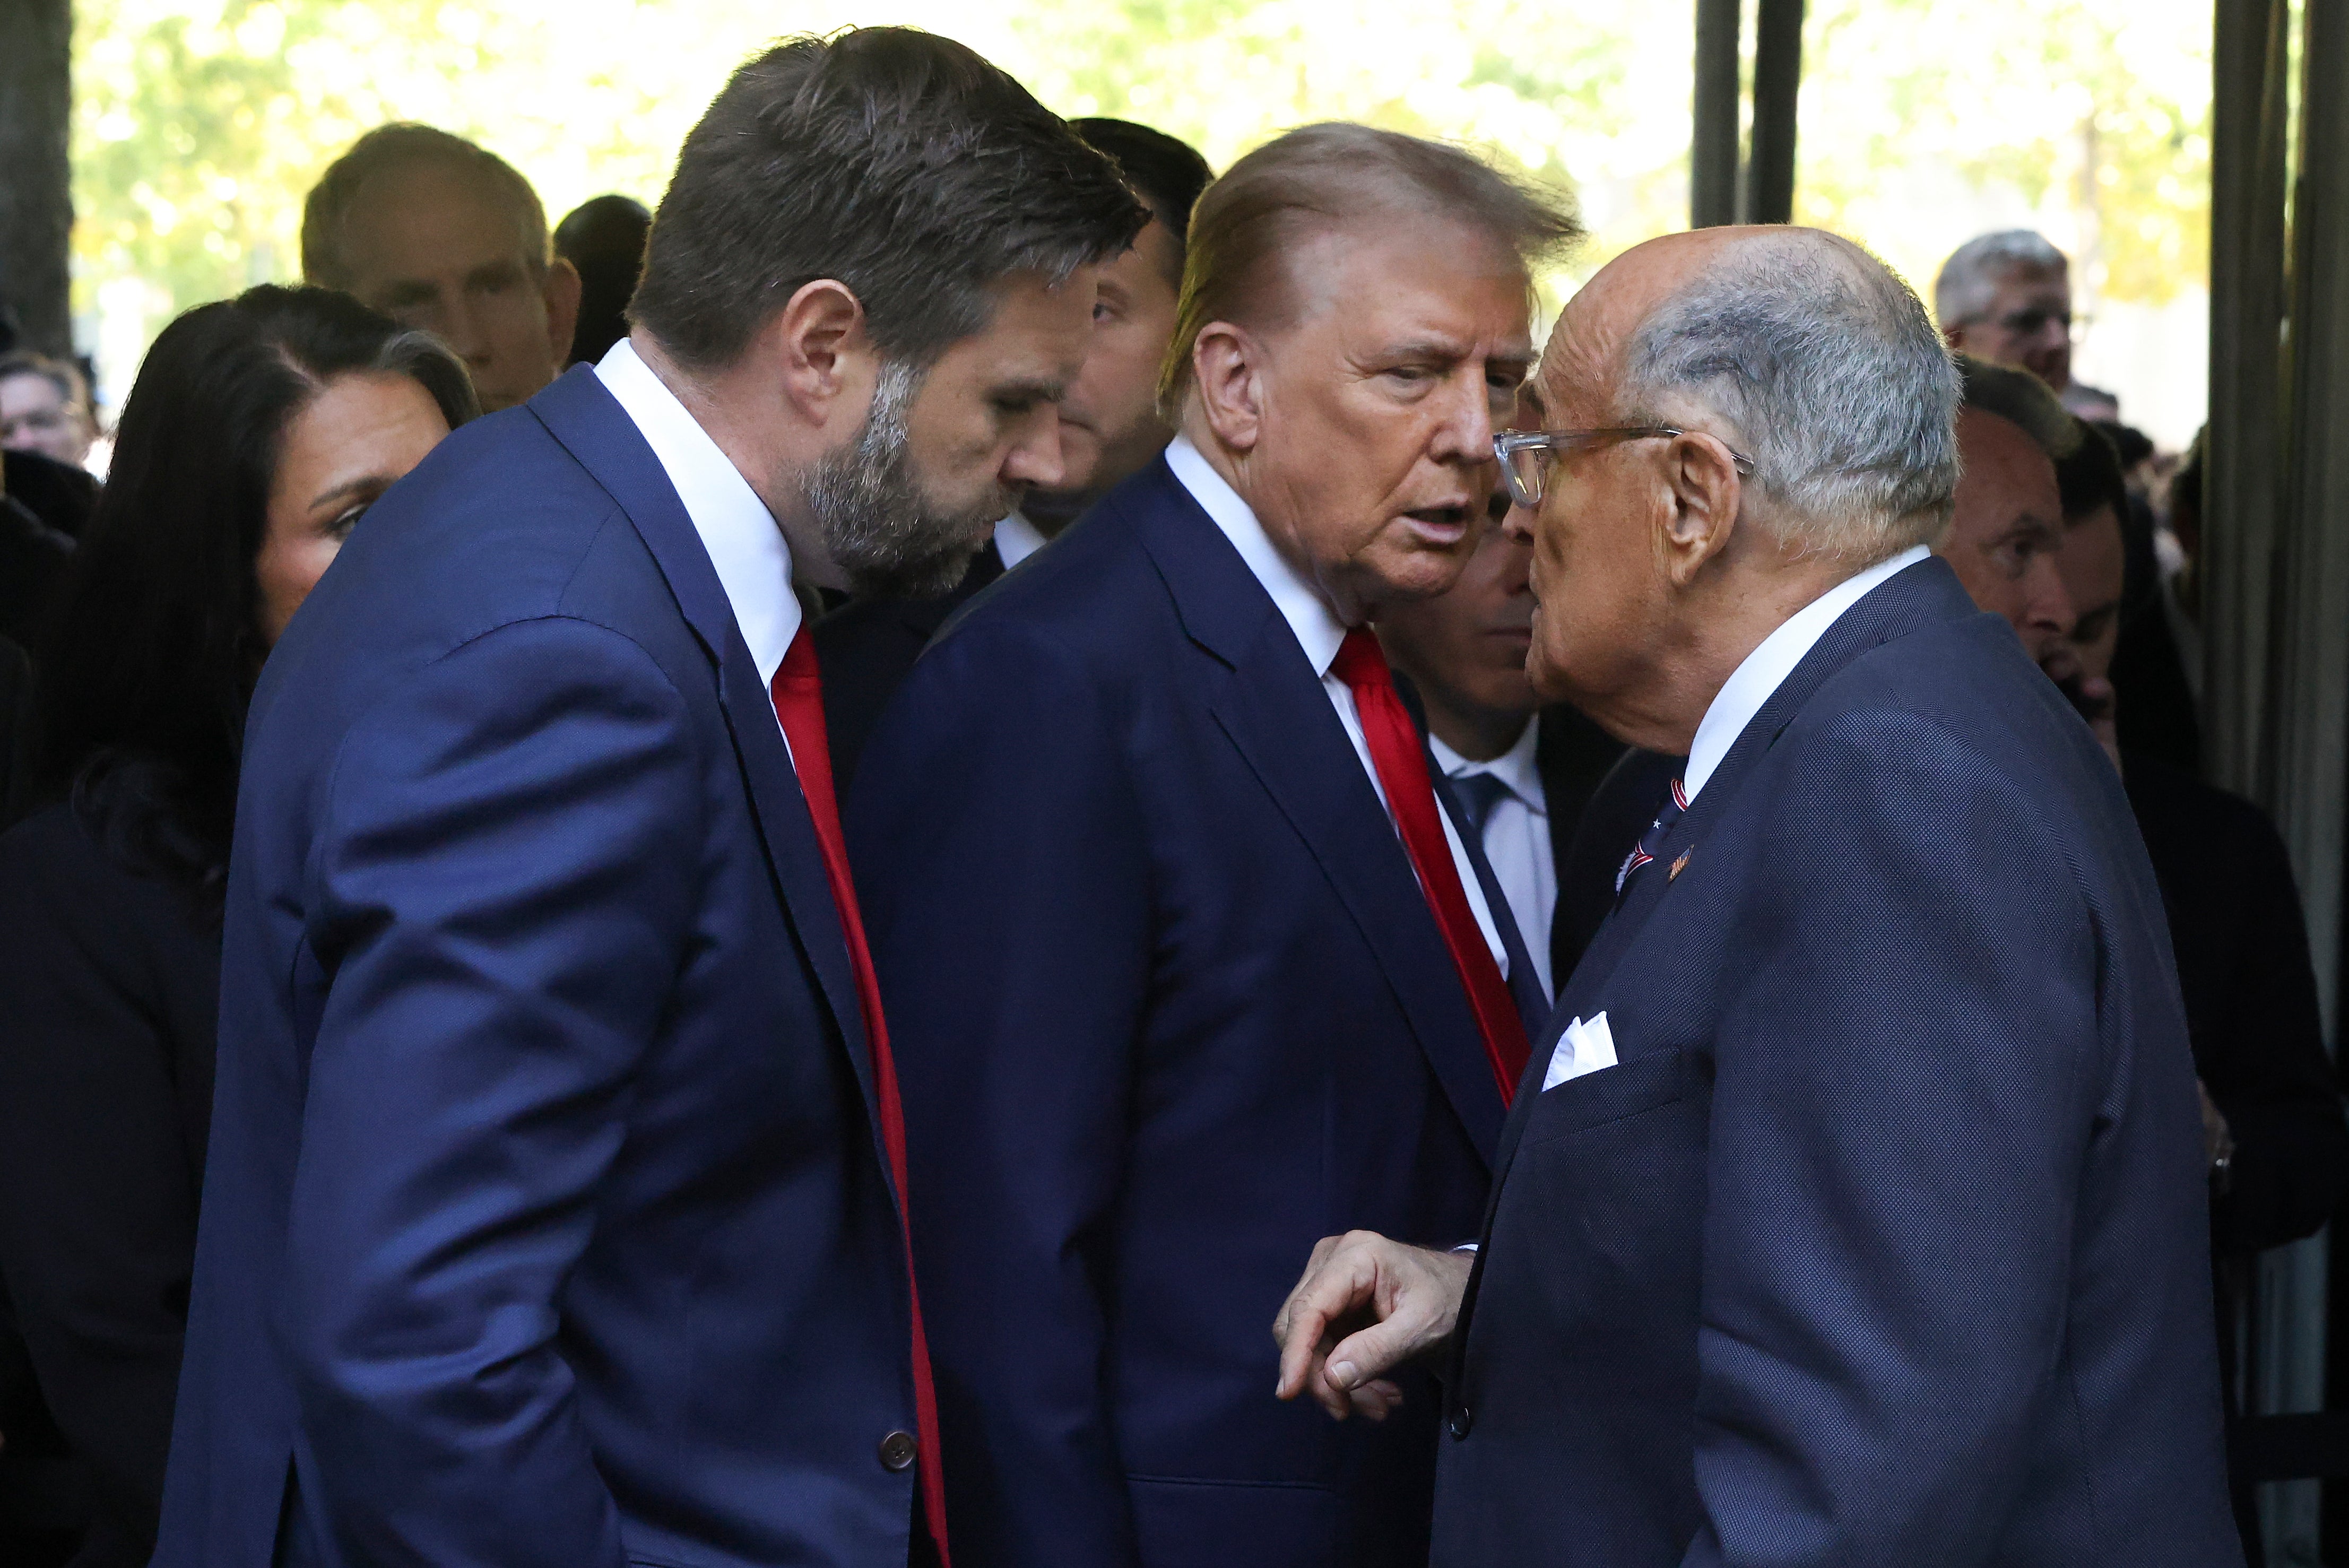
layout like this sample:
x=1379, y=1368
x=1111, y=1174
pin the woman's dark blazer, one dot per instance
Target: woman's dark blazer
x=105, y=1088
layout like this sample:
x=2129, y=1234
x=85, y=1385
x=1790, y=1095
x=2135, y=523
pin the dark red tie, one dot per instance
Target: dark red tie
x=797, y=691
x=1401, y=765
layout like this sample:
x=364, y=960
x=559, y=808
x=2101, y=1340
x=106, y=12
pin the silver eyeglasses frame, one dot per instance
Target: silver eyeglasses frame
x=1537, y=449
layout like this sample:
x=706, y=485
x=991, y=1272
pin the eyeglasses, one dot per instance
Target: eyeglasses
x=2033, y=321
x=1526, y=455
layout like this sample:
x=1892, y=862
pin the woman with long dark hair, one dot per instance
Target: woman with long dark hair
x=257, y=435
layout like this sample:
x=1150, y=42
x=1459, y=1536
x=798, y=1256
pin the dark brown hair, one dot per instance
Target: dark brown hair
x=1168, y=173
x=1247, y=223
x=898, y=163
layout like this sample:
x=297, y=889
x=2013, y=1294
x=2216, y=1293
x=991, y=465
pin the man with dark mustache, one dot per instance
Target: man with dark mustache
x=1183, y=958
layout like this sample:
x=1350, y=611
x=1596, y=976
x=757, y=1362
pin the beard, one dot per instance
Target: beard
x=885, y=532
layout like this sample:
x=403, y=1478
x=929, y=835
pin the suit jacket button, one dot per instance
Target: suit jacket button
x=1462, y=1419
x=897, y=1451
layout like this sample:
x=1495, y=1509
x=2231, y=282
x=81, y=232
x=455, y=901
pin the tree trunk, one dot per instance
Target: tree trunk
x=35, y=190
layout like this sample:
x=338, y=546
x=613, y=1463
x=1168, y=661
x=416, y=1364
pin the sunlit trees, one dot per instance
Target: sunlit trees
x=200, y=123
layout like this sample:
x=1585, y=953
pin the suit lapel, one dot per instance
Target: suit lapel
x=1274, y=709
x=594, y=428
x=1927, y=590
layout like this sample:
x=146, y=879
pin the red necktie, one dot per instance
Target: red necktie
x=1402, y=773
x=798, y=692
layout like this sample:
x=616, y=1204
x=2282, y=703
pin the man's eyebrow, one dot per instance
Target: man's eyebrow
x=1047, y=389
x=2029, y=525
x=408, y=291
x=502, y=270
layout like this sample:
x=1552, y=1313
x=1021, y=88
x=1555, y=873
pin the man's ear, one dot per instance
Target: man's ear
x=818, y=348
x=1226, y=368
x=562, y=292
x=1706, y=491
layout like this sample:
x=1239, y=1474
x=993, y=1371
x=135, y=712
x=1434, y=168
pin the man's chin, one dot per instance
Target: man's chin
x=926, y=576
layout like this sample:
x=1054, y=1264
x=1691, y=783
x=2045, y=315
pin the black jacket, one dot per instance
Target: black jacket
x=2243, y=969
x=1574, y=756
x=106, y=1079
x=866, y=649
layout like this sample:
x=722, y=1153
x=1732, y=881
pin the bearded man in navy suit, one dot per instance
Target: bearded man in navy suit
x=1182, y=956
x=1852, y=1208
x=555, y=1211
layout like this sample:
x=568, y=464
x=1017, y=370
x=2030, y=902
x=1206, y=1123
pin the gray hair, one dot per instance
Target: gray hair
x=1823, y=365
x=1969, y=280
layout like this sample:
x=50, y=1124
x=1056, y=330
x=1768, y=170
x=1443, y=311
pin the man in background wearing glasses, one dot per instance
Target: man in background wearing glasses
x=2007, y=297
x=1852, y=1209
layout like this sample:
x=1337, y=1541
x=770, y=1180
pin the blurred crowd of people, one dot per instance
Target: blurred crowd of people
x=1064, y=1276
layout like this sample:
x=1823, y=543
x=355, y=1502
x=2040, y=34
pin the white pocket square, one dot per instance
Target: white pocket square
x=1585, y=1047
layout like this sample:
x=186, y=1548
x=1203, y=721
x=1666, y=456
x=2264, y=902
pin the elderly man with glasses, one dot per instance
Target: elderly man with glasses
x=2007, y=297
x=1852, y=1209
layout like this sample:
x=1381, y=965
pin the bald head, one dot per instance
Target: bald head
x=1804, y=353
x=1767, y=411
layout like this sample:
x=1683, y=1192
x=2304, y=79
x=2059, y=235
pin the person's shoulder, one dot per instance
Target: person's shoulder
x=1092, y=591
x=59, y=883
x=499, y=525
x=499, y=514
x=2180, y=815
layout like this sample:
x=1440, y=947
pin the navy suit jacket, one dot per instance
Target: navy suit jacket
x=1884, y=1243
x=1169, y=1008
x=545, y=1220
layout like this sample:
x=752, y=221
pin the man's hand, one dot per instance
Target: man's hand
x=1366, y=1305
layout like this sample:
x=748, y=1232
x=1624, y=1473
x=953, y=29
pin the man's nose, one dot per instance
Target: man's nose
x=1035, y=459
x=1465, y=432
x=461, y=325
x=2051, y=604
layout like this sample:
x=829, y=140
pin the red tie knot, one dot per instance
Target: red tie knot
x=1361, y=661
x=799, y=665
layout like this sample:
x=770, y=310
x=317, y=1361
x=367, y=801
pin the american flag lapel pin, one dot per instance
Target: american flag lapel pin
x=1675, y=871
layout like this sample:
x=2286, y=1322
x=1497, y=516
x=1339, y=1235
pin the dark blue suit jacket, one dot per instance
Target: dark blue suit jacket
x=545, y=1221
x=1884, y=1243
x=1169, y=1008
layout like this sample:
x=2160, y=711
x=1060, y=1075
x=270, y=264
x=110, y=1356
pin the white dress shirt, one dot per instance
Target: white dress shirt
x=1516, y=840
x=1751, y=683
x=740, y=535
x=1319, y=632
x=1016, y=539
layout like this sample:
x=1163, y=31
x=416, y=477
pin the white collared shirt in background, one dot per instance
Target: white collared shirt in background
x=1319, y=632
x=1016, y=539
x=1516, y=840
x=1749, y=686
x=740, y=535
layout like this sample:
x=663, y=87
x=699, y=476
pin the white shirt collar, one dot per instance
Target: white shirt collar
x=1750, y=685
x=740, y=535
x=1515, y=767
x=1319, y=631
x=1016, y=539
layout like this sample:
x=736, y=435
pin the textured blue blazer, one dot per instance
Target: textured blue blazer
x=1885, y=1242
x=1168, y=1008
x=545, y=1220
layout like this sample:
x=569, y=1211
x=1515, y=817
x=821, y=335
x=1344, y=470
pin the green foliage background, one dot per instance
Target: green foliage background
x=200, y=123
